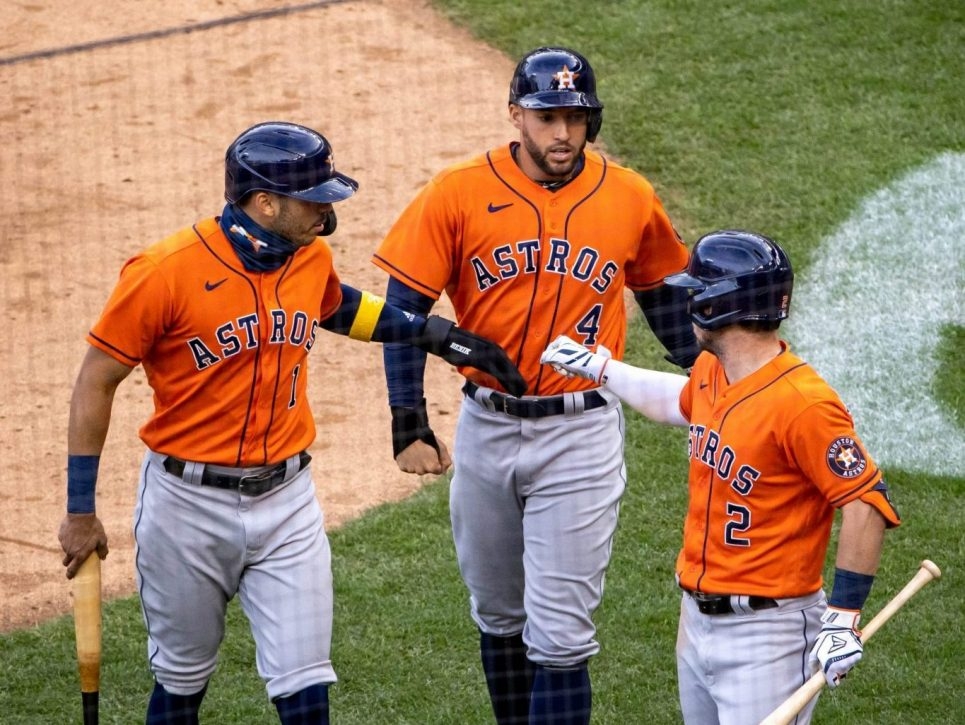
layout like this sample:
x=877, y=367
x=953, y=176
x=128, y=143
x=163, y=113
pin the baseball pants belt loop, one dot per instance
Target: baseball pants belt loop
x=730, y=603
x=570, y=404
x=246, y=481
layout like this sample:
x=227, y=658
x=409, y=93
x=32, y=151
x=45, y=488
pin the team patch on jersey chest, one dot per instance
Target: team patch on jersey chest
x=845, y=458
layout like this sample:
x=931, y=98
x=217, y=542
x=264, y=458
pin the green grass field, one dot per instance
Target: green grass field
x=780, y=116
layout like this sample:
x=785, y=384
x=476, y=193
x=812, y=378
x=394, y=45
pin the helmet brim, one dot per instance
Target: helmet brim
x=683, y=279
x=337, y=188
x=558, y=99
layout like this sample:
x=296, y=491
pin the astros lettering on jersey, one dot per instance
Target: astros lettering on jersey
x=256, y=328
x=578, y=240
x=762, y=475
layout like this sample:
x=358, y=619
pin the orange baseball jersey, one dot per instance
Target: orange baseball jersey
x=225, y=350
x=771, y=458
x=523, y=264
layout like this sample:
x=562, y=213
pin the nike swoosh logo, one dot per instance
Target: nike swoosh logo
x=214, y=285
x=703, y=385
x=494, y=208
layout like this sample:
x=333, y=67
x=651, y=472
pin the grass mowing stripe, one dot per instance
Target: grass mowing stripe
x=870, y=310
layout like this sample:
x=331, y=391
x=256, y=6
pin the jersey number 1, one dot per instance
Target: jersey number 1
x=291, y=399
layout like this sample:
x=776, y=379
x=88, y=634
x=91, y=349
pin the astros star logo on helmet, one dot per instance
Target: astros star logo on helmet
x=565, y=79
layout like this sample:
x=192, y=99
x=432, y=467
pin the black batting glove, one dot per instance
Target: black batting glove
x=458, y=347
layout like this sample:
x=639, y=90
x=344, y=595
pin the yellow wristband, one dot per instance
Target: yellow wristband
x=370, y=307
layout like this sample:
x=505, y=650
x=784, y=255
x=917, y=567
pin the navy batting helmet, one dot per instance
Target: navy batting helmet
x=735, y=276
x=557, y=78
x=286, y=159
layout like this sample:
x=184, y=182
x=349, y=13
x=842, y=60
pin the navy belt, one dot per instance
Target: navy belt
x=535, y=407
x=245, y=484
x=721, y=603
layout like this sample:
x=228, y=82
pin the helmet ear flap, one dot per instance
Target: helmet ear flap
x=594, y=124
x=330, y=223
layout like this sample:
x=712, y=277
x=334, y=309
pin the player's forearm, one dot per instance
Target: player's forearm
x=405, y=364
x=861, y=538
x=655, y=394
x=90, y=417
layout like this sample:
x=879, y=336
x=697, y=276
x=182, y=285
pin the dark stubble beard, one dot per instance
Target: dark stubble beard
x=550, y=169
x=706, y=341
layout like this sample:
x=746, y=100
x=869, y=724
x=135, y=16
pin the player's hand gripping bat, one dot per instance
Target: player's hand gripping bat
x=803, y=695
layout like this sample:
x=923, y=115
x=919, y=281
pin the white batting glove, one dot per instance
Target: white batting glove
x=838, y=647
x=569, y=358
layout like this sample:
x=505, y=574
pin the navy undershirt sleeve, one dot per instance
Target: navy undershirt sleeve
x=404, y=364
x=393, y=324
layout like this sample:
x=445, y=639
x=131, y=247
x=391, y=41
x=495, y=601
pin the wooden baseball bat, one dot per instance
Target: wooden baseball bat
x=786, y=711
x=87, y=630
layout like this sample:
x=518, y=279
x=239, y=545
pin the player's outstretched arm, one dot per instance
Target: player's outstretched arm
x=364, y=316
x=655, y=394
x=409, y=333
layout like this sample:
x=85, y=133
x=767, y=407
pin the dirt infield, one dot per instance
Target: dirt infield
x=113, y=135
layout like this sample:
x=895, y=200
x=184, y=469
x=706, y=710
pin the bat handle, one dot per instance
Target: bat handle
x=87, y=627
x=91, y=707
x=787, y=710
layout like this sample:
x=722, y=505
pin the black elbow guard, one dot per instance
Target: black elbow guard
x=665, y=308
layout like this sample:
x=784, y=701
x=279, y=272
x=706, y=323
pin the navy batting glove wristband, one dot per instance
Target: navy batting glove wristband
x=850, y=589
x=81, y=481
x=410, y=425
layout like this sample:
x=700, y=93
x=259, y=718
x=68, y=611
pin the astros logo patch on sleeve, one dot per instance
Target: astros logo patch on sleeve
x=845, y=457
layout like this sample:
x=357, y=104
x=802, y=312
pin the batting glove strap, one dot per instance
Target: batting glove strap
x=838, y=647
x=410, y=425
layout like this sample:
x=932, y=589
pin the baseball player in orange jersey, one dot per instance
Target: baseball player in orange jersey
x=222, y=315
x=534, y=239
x=773, y=453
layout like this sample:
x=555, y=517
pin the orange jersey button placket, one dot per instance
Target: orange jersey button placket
x=261, y=397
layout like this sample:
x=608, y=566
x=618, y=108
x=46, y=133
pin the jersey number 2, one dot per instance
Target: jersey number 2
x=740, y=523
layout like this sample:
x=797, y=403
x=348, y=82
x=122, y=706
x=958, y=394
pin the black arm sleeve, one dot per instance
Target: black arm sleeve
x=340, y=321
x=665, y=308
x=405, y=364
x=393, y=324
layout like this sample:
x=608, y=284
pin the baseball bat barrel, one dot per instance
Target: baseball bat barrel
x=788, y=709
x=87, y=630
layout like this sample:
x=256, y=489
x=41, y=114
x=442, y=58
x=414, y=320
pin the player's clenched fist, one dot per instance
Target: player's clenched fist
x=838, y=647
x=568, y=357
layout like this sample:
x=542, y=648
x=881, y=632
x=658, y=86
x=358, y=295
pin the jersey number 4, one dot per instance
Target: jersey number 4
x=589, y=326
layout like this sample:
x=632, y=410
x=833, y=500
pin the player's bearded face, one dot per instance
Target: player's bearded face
x=300, y=221
x=553, y=138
